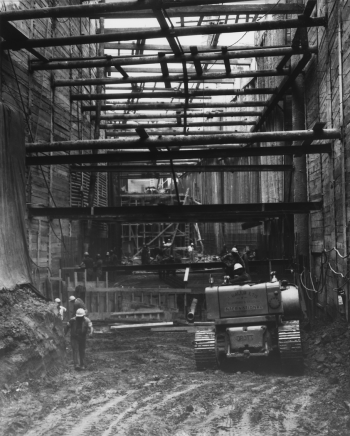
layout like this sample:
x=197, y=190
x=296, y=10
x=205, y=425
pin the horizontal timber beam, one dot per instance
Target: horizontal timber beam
x=145, y=169
x=127, y=34
x=160, y=133
x=170, y=78
x=137, y=116
x=196, y=140
x=173, y=125
x=100, y=9
x=173, y=106
x=143, y=156
x=178, y=213
x=173, y=94
x=207, y=11
x=173, y=69
x=110, y=61
x=186, y=48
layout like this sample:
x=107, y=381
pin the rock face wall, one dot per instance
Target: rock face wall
x=31, y=337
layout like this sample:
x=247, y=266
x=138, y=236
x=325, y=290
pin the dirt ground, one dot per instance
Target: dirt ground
x=145, y=383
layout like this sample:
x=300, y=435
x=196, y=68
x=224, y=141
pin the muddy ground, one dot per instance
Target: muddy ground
x=145, y=383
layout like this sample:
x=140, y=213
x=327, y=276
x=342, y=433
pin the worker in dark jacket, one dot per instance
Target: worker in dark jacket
x=240, y=276
x=230, y=260
x=77, y=303
x=80, y=326
x=88, y=264
x=145, y=255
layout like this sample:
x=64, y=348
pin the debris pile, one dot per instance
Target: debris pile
x=327, y=350
x=31, y=337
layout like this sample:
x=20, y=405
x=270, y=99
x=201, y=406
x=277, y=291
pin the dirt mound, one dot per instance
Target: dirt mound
x=31, y=336
x=326, y=348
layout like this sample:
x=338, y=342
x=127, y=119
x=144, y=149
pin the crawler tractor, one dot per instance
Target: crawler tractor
x=250, y=320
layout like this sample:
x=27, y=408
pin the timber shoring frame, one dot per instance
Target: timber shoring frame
x=242, y=212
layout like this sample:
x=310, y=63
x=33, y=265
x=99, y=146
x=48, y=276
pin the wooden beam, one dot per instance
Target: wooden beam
x=182, y=213
x=178, y=114
x=144, y=156
x=180, y=168
x=207, y=11
x=161, y=133
x=173, y=106
x=184, y=141
x=153, y=33
x=155, y=59
x=167, y=79
x=166, y=49
x=282, y=89
x=226, y=61
x=165, y=74
x=171, y=125
x=196, y=61
x=168, y=33
x=172, y=94
x=100, y=9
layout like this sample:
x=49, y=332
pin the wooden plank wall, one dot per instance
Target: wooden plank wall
x=328, y=177
x=50, y=116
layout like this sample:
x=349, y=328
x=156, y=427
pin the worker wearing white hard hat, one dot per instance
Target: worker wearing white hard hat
x=230, y=259
x=77, y=303
x=79, y=326
x=60, y=309
x=240, y=276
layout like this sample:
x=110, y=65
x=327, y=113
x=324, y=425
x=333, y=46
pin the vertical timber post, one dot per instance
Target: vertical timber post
x=301, y=221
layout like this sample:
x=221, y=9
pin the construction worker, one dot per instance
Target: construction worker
x=98, y=266
x=190, y=250
x=239, y=275
x=145, y=255
x=88, y=264
x=77, y=303
x=230, y=259
x=79, y=327
x=60, y=309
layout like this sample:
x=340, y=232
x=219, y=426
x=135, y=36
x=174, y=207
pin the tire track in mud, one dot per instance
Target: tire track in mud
x=56, y=423
x=145, y=410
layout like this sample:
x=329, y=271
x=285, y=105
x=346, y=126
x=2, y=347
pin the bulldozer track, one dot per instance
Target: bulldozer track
x=290, y=344
x=204, y=350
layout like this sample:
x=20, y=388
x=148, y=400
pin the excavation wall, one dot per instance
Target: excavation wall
x=49, y=115
x=327, y=80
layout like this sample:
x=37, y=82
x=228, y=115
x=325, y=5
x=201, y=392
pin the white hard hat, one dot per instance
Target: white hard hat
x=57, y=300
x=234, y=250
x=107, y=254
x=86, y=253
x=71, y=298
x=80, y=312
x=237, y=266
